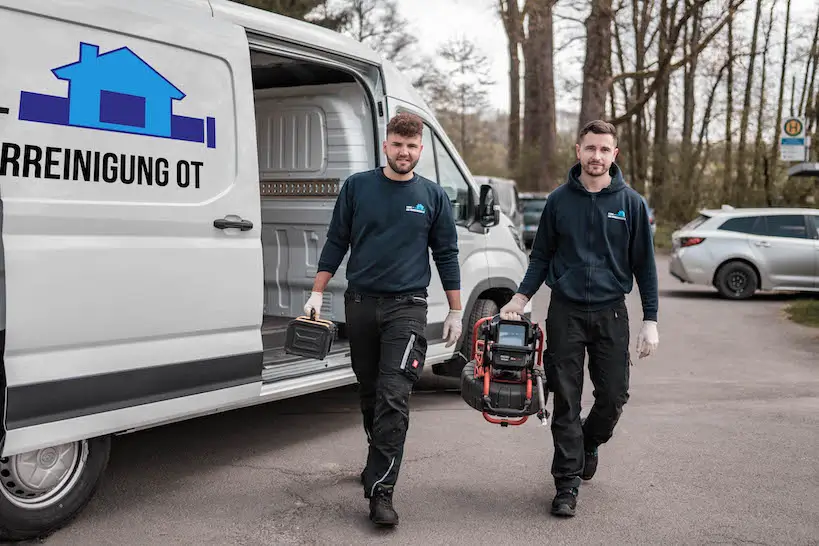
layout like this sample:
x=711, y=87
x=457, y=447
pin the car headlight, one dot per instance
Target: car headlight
x=516, y=236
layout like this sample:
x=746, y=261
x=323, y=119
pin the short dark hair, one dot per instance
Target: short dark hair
x=406, y=125
x=598, y=127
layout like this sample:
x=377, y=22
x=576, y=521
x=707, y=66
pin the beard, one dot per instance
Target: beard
x=401, y=170
x=595, y=170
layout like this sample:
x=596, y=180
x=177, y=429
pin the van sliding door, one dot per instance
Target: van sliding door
x=131, y=223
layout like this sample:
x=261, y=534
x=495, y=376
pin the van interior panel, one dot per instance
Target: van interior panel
x=314, y=128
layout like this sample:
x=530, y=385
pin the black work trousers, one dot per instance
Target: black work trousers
x=570, y=332
x=388, y=350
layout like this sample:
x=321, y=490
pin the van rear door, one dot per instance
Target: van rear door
x=131, y=217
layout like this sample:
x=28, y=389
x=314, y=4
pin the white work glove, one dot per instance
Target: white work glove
x=313, y=303
x=514, y=309
x=647, y=339
x=453, y=326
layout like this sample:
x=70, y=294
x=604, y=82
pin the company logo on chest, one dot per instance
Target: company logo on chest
x=418, y=208
x=619, y=215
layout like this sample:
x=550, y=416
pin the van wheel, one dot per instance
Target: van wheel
x=482, y=308
x=42, y=490
x=736, y=281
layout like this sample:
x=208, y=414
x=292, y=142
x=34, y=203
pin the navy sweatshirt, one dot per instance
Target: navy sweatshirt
x=389, y=227
x=590, y=246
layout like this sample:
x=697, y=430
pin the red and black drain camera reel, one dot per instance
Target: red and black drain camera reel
x=507, y=362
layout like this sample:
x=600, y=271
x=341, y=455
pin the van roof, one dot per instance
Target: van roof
x=297, y=31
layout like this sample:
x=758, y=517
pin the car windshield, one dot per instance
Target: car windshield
x=534, y=205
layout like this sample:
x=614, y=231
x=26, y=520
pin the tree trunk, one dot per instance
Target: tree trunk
x=728, y=189
x=511, y=16
x=760, y=151
x=548, y=149
x=741, y=183
x=771, y=173
x=597, y=64
x=661, y=198
x=539, y=120
x=689, y=105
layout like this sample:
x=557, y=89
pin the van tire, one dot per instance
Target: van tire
x=502, y=395
x=736, y=280
x=483, y=308
x=25, y=523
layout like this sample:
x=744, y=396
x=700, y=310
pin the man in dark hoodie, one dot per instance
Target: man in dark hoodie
x=594, y=237
x=389, y=218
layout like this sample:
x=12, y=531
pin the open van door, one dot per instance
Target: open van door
x=131, y=218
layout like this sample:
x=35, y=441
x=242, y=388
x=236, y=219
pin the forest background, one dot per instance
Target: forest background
x=698, y=90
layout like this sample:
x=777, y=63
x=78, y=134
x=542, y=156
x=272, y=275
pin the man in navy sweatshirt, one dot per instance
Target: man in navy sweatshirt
x=594, y=237
x=389, y=218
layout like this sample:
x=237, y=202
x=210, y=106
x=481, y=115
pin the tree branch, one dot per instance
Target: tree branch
x=685, y=60
x=665, y=62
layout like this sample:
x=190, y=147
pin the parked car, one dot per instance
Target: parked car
x=508, y=198
x=740, y=251
x=532, y=205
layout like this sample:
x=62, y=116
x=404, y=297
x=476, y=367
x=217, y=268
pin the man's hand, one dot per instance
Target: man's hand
x=514, y=309
x=647, y=339
x=314, y=303
x=453, y=326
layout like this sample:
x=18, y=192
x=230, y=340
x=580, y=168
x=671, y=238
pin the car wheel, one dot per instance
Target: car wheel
x=736, y=281
x=42, y=490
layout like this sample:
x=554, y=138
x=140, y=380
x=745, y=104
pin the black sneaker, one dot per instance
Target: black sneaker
x=381, y=510
x=589, y=465
x=565, y=502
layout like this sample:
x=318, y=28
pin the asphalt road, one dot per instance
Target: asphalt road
x=717, y=445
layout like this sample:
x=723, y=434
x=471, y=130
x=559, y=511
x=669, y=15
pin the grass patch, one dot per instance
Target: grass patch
x=805, y=312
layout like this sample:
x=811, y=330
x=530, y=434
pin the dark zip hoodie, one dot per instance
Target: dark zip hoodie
x=590, y=246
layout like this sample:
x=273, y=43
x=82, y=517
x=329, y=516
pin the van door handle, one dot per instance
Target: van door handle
x=766, y=244
x=233, y=222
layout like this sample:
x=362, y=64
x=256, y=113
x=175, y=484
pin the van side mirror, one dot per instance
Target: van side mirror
x=488, y=208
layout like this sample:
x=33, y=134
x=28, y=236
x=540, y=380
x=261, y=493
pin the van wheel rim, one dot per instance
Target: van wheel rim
x=37, y=479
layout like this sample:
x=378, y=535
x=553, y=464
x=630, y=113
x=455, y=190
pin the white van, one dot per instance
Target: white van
x=168, y=169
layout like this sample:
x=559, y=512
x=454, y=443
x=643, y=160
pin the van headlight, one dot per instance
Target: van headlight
x=516, y=236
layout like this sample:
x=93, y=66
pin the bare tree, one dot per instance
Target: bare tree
x=465, y=93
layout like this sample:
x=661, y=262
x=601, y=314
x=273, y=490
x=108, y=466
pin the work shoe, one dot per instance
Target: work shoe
x=565, y=502
x=589, y=464
x=381, y=510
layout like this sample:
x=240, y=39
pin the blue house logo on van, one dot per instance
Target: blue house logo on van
x=116, y=91
x=419, y=208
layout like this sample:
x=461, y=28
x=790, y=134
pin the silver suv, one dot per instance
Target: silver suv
x=740, y=251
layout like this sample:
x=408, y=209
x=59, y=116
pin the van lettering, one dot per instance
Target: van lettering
x=123, y=164
x=107, y=159
x=29, y=161
x=183, y=179
x=33, y=156
x=51, y=163
x=162, y=170
x=146, y=169
x=81, y=162
x=10, y=155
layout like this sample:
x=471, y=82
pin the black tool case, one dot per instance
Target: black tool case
x=309, y=337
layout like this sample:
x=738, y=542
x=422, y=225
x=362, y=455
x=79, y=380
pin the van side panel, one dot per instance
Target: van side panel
x=117, y=154
x=310, y=139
